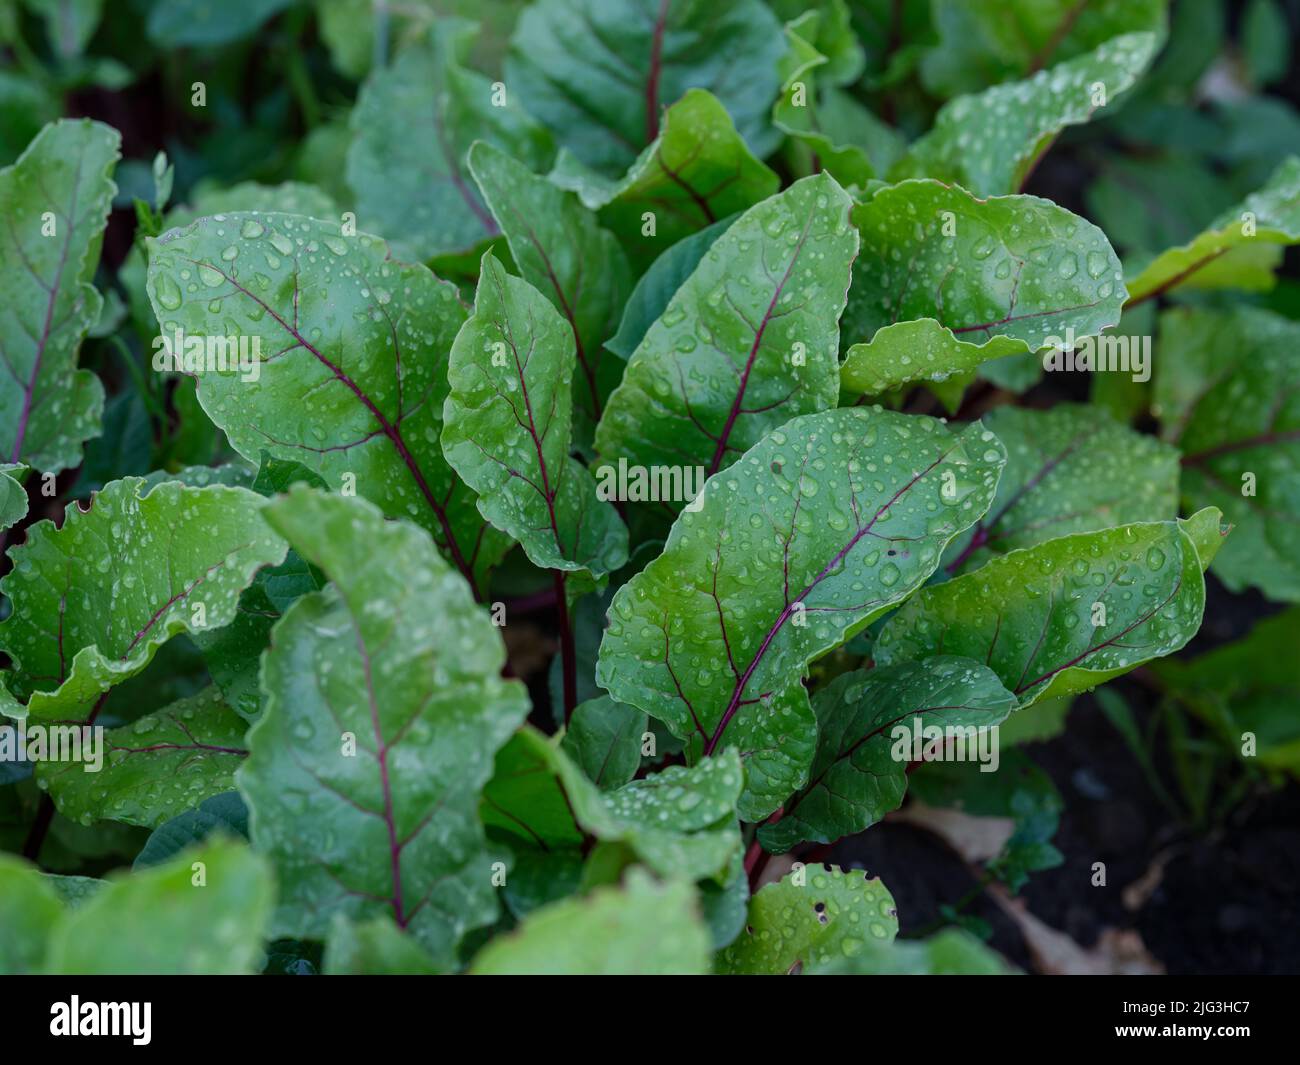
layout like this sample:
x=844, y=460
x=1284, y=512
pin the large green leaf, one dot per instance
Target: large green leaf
x=203, y=913
x=749, y=340
x=353, y=371
x=1069, y=469
x=561, y=251
x=508, y=424
x=384, y=708
x=856, y=778
x=155, y=768
x=819, y=528
x=173, y=23
x=697, y=171
x=643, y=928
x=1248, y=686
x=680, y=821
x=56, y=200
x=413, y=125
x=69, y=24
x=981, y=44
x=29, y=910
x=1227, y=394
x=946, y=282
x=1239, y=249
x=598, y=72
x=1064, y=616
x=989, y=142
x=95, y=598
x=808, y=918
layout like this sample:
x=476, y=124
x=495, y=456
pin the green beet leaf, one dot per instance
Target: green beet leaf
x=155, y=768
x=507, y=429
x=818, y=529
x=56, y=200
x=384, y=706
x=1064, y=616
x=642, y=928
x=808, y=918
x=96, y=597
x=563, y=253
x=952, y=952
x=374, y=947
x=412, y=128
x=856, y=776
x=946, y=282
x=989, y=142
x=353, y=348
x=600, y=72
x=1240, y=249
x=1069, y=469
x=749, y=340
x=203, y=912
x=1227, y=393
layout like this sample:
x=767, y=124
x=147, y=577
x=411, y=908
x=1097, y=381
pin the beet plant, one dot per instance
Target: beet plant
x=536, y=494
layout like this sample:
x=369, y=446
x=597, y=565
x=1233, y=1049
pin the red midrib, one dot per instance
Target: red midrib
x=391, y=431
x=743, y=681
x=652, y=76
x=71, y=226
x=718, y=452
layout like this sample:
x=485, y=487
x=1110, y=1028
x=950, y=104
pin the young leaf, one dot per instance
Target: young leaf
x=1228, y=253
x=384, y=707
x=1227, y=393
x=796, y=112
x=507, y=427
x=697, y=171
x=413, y=125
x=29, y=910
x=808, y=918
x=604, y=738
x=599, y=72
x=56, y=201
x=1064, y=616
x=819, y=528
x=1070, y=469
x=856, y=778
x=13, y=496
x=204, y=912
x=96, y=597
x=750, y=340
x=946, y=282
x=561, y=251
x=155, y=768
x=983, y=44
x=643, y=928
x=351, y=378
x=680, y=822
x=988, y=143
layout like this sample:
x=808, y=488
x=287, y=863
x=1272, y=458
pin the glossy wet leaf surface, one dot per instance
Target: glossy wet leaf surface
x=819, y=528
